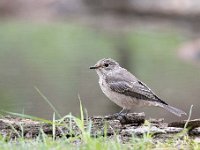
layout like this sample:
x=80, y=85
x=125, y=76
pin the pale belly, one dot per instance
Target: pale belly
x=121, y=100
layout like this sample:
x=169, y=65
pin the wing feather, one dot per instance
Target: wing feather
x=132, y=87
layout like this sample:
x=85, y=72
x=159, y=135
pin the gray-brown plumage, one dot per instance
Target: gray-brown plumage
x=123, y=88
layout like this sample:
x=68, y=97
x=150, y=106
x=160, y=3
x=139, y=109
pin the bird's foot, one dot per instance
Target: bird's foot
x=122, y=113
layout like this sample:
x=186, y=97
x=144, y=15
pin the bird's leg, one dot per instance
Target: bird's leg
x=121, y=111
x=126, y=111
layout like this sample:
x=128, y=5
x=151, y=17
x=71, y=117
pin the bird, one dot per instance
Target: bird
x=124, y=89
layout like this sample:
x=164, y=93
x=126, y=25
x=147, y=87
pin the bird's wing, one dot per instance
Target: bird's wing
x=133, y=88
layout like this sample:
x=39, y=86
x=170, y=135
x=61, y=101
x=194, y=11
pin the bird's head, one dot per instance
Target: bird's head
x=105, y=66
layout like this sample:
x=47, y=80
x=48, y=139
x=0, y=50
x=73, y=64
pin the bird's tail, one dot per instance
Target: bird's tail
x=174, y=110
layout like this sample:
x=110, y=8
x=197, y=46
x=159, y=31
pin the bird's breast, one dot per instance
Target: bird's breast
x=120, y=99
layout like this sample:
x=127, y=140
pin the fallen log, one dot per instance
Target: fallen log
x=132, y=124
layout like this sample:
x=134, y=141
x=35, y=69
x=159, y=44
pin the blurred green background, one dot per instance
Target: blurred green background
x=55, y=57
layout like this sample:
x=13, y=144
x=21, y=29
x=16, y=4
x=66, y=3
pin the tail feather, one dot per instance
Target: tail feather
x=174, y=110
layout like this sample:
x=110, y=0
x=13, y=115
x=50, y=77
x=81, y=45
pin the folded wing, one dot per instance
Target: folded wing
x=134, y=88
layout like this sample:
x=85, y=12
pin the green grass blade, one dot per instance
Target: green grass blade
x=81, y=109
x=190, y=114
x=54, y=127
x=50, y=104
x=28, y=116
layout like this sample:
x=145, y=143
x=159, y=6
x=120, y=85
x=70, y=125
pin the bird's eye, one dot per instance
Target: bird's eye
x=106, y=65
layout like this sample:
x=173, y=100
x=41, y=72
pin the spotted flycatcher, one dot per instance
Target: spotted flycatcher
x=124, y=89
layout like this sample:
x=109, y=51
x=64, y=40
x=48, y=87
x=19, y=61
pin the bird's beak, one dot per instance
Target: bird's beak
x=94, y=67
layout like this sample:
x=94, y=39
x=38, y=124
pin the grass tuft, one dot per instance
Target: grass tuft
x=85, y=141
